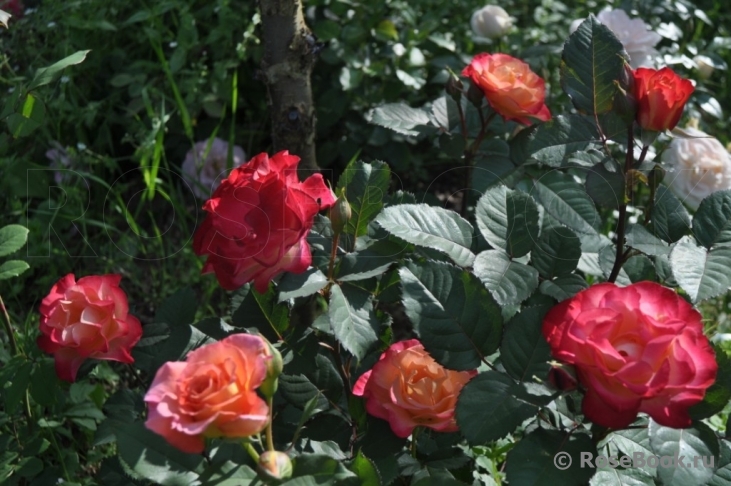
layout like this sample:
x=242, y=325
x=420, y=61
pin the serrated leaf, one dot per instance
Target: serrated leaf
x=606, y=188
x=399, y=117
x=366, y=186
x=487, y=408
x=432, y=227
x=366, y=470
x=698, y=441
x=12, y=268
x=294, y=285
x=299, y=391
x=362, y=265
x=722, y=475
x=607, y=257
x=179, y=308
x=718, y=395
x=12, y=238
x=524, y=351
x=263, y=312
x=535, y=458
x=592, y=61
x=509, y=282
x=556, y=253
x=701, y=273
x=563, y=287
x=552, y=142
x=669, y=219
x=567, y=201
x=639, y=238
x=353, y=319
x=457, y=320
x=712, y=220
x=492, y=165
x=46, y=75
x=508, y=220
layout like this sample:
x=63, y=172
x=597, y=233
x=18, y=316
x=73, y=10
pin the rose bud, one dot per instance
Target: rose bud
x=340, y=214
x=661, y=96
x=274, y=466
x=491, y=22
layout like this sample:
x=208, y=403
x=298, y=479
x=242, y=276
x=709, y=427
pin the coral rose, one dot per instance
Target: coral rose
x=204, y=166
x=511, y=88
x=698, y=165
x=87, y=319
x=661, y=96
x=408, y=388
x=638, y=348
x=258, y=222
x=211, y=394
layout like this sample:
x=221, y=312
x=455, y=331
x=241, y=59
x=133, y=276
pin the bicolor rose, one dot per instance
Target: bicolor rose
x=635, y=349
x=409, y=389
x=511, y=88
x=258, y=221
x=210, y=394
x=87, y=319
x=661, y=96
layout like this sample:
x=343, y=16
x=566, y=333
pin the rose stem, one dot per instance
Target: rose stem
x=9, y=329
x=333, y=253
x=469, y=156
x=618, y=260
x=270, y=431
x=252, y=452
x=414, y=434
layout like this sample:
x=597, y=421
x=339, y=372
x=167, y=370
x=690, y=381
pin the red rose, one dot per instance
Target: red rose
x=408, y=388
x=14, y=7
x=511, y=88
x=211, y=394
x=87, y=319
x=258, y=222
x=638, y=348
x=661, y=96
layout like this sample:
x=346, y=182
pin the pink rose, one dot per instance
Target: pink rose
x=408, y=388
x=258, y=222
x=87, y=319
x=638, y=348
x=210, y=394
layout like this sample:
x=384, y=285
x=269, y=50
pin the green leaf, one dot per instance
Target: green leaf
x=701, y=273
x=263, y=312
x=639, y=238
x=362, y=265
x=722, y=475
x=299, y=391
x=622, y=477
x=605, y=187
x=508, y=220
x=399, y=117
x=12, y=238
x=492, y=165
x=552, y=142
x=294, y=285
x=365, y=470
x=179, y=308
x=30, y=117
x=353, y=319
x=365, y=187
x=487, y=408
x=12, y=268
x=712, y=220
x=592, y=61
x=607, y=257
x=557, y=252
x=669, y=219
x=699, y=441
x=45, y=75
x=150, y=456
x=14, y=381
x=563, y=287
x=524, y=351
x=534, y=459
x=719, y=394
x=457, y=320
x=323, y=469
x=431, y=227
x=639, y=268
x=509, y=282
x=567, y=201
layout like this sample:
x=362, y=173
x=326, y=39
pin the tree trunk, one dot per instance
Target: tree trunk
x=289, y=54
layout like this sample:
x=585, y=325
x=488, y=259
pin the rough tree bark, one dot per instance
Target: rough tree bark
x=289, y=55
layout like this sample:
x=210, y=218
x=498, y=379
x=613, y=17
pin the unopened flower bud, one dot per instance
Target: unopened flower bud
x=274, y=368
x=274, y=466
x=454, y=87
x=340, y=214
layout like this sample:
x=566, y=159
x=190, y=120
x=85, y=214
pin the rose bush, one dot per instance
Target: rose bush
x=409, y=389
x=697, y=164
x=210, y=394
x=661, y=96
x=204, y=167
x=491, y=22
x=638, y=348
x=258, y=220
x=511, y=88
x=88, y=318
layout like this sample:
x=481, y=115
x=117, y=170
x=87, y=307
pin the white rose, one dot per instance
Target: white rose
x=635, y=35
x=491, y=21
x=697, y=165
x=205, y=174
x=705, y=66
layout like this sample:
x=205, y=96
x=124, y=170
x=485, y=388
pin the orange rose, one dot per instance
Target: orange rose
x=408, y=388
x=87, y=319
x=661, y=96
x=511, y=88
x=211, y=394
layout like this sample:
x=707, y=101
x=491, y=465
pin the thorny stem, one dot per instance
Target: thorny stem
x=618, y=260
